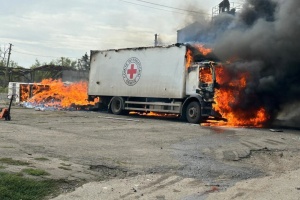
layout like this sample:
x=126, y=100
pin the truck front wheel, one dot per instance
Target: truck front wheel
x=193, y=112
x=117, y=105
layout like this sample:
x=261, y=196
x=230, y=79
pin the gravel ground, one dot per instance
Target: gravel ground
x=103, y=156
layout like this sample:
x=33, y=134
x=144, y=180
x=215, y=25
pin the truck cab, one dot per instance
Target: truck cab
x=200, y=86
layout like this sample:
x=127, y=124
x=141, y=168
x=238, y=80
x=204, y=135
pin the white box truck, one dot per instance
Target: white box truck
x=157, y=79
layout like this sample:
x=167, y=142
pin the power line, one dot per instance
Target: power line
x=198, y=13
x=151, y=7
x=40, y=55
x=173, y=7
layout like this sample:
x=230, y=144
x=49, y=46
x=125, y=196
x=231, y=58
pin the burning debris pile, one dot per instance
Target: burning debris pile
x=260, y=49
x=55, y=95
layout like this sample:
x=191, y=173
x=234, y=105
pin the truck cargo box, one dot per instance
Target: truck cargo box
x=156, y=72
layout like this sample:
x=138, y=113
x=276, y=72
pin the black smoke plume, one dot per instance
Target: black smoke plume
x=264, y=40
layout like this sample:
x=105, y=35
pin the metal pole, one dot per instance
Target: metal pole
x=155, y=40
x=7, y=64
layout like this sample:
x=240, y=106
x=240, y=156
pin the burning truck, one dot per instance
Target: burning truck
x=153, y=79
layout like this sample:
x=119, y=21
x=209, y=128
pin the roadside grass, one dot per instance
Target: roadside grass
x=35, y=172
x=11, y=161
x=16, y=187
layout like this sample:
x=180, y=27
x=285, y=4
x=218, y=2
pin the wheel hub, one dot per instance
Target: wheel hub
x=193, y=112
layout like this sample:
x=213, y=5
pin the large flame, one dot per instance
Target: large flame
x=229, y=96
x=59, y=94
x=228, y=100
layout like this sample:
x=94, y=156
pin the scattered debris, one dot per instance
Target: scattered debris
x=214, y=188
x=276, y=130
x=39, y=109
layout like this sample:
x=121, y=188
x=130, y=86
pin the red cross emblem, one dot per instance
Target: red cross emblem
x=132, y=71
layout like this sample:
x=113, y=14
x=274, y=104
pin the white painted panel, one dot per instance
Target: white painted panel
x=143, y=72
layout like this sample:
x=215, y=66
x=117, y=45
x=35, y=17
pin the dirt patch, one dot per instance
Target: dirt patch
x=273, y=161
x=80, y=147
x=108, y=172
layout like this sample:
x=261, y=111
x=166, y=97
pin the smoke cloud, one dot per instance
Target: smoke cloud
x=263, y=39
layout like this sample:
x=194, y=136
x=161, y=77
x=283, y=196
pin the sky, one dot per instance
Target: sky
x=48, y=30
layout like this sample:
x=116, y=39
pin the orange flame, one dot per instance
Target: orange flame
x=189, y=58
x=153, y=114
x=204, y=51
x=197, y=49
x=228, y=97
x=205, y=75
x=24, y=92
x=56, y=93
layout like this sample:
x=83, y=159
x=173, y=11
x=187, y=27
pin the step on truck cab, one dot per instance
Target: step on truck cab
x=152, y=79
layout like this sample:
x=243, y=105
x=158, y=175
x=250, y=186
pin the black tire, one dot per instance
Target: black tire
x=116, y=105
x=193, y=112
x=182, y=117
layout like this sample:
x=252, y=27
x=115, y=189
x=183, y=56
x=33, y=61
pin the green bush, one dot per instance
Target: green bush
x=3, y=89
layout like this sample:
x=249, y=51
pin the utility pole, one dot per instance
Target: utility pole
x=156, y=40
x=7, y=64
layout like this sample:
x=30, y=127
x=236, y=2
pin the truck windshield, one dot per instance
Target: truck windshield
x=205, y=75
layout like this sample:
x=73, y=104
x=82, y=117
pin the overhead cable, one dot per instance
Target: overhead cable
x=40, y=55
x=202, y=13
x=194, y=12
x=151, y=7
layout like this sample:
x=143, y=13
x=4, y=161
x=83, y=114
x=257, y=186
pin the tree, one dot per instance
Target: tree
x=36, y=64
x=65, y=62
x=3, y=53
x=84, y=62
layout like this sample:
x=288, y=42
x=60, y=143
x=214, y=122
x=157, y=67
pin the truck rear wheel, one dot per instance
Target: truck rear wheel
x=117, y=105
x=193, y=112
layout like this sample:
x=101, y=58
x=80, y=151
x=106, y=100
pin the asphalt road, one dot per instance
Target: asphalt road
x=126, y=157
